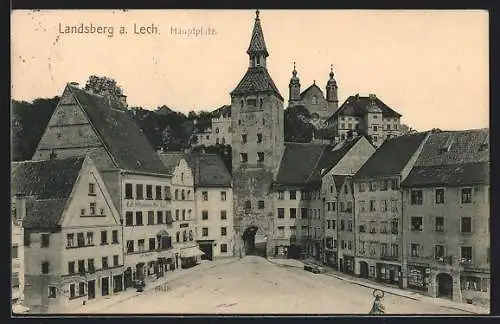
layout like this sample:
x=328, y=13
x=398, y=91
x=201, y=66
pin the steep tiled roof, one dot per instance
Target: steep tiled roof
x=452, y=175
x=44, y=214
x=333, y=155
x=255, y=80
x=224, y=111
x=452, y=158
x=124, y=139
x=391, y=157
x=48, y=185
x=171, y=159
x=298, y=163
x=209, y=170
x=359, y=106
x=450, y=147
x=46, y=179
x=257, y=43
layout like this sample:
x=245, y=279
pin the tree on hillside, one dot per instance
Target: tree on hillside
x=297, y=126
x=29, y=121
x=104, y=86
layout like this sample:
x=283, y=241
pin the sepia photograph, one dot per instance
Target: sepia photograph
x=250, y=162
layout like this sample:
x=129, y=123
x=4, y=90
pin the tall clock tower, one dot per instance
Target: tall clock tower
x=257, y=147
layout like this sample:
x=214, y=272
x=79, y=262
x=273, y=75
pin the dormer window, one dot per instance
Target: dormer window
x=258, y=60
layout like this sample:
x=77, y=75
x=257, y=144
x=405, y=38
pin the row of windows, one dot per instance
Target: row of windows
x=386, y=250
x=92, y=210
x=79, y=266
x=357, y=118
x=161, y=193
x=204, y=231
x=306, y=231
x=416, y=196
x=305, y=195
x=248, y=204
x=244, y=138
x=244, y=157
x=383, y=185
x=417, y=224
x=159, y=243
x=383, y=227
x=129, y=217
x=383, y=206
x=87, y=239
x=204, y=195
x=305, y=213
x=204, y=214
x=439, y=253
x=263, y=122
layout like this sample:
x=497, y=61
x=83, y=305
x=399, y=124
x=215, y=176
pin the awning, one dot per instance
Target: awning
x=191, y=252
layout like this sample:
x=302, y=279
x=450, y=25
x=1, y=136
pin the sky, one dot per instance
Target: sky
x=430, y=66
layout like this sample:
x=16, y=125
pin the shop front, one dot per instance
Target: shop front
x=347, y=264
x=189, y=256
x=389, y=273
x=418, y=277
x=331, y=258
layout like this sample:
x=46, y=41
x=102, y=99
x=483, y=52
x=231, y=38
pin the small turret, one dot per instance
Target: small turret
x=294, y=86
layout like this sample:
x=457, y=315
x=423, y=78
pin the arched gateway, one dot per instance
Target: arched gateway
x=254, y=241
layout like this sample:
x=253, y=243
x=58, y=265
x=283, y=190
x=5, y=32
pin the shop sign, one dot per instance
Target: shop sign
x=146, y=204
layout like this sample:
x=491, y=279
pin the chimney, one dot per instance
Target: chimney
x=123, y=100
x=372, y=96
x=74, y=84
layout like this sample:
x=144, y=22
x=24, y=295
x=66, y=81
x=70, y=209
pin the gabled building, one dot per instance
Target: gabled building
x=298, y=201
x=369, y=116
x=186, y=251
x=378, y=212
x=341, y=162
x=446, y=199
x=73, y=249
x=85, y=123
x=214, y=205
x=303, y=198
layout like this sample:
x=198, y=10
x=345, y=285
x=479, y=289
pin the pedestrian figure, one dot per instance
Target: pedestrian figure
x=377, y=307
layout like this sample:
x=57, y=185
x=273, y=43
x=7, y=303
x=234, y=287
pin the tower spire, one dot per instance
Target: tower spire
x=257, y=44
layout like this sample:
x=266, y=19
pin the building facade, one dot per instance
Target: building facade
x=72, y=234
x=446, y=206
x=378, y=209
x=368, y=116
x=17, y=251
x=186, y=251
x=214, y=205
x=257, y=146
x=220, y=131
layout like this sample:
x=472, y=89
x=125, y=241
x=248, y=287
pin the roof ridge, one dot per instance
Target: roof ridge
x=315, y=165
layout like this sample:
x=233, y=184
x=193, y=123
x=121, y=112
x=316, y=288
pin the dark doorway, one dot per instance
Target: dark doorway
x=105, y=286
x=317, y=251
x=363, y=269
x=139, y=271
x=127, y=278
x=445, y=285
x=341, y=265
x=206, y=248
x=91, y=289
x=117, y=283
x=253, y=246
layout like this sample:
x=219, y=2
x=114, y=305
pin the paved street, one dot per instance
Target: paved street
x=255, y=285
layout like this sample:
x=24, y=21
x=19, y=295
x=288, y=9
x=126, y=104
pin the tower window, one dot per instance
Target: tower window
x=258, y=60
x=260, y=156
x=252, y=102
x=239, y=120
x=259, y=138
x=243, y=138
x=261, y=102
x=244, y=157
